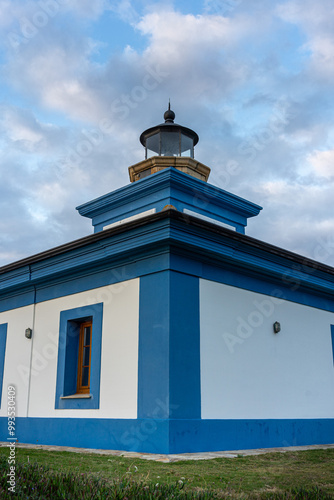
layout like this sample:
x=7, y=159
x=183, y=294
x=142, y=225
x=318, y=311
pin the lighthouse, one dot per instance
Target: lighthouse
x=168, y=330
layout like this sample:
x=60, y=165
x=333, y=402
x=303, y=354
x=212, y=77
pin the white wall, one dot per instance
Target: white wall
x=17, y=363
x=249, y=372
x=119, y=362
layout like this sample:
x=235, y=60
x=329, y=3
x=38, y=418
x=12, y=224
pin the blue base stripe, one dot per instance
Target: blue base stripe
x=219, y=435
x=150, y=436
x=171, y=436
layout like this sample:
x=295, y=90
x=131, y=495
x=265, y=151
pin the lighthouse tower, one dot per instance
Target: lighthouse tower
x=168, y=330
x=169, y=153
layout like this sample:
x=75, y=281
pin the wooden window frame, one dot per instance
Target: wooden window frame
x=80, y=388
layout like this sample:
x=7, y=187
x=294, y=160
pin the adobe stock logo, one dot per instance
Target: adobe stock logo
x=30, y=26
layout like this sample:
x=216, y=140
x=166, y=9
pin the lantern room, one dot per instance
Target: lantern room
x=169, y=138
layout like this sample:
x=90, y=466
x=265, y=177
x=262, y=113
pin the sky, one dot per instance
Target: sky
x=81, y=79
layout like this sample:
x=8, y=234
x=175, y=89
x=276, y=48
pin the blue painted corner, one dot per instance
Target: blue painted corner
x=184, y=361
x=153, y=360
x=169, y=346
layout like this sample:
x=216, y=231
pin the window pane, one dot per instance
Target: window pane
x=86, y=352
x=87, y=336
x=153, y=145
x=170, y=143
x=186, y=146
x=85, y=376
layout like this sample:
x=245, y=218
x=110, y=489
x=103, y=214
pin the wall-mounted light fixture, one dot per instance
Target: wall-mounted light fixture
x=28, y=333
x=277, y=327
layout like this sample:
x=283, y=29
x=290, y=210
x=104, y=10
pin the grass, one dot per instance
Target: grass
x=304, y=474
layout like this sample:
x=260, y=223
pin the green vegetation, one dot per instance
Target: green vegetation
x=50, y=474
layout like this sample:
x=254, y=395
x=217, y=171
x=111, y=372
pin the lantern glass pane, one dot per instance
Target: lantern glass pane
x=170, y=143
x=187, y=146
x=153, y=145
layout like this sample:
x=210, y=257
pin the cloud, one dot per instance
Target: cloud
x=125, y=11
x=316, y=19
x=296, y=217
x=91, y=9
x=198, y=51
x=176, y=38
x=76, y=108
x=5, y=13
x=56, y=75
x=323, y=163
x=23, y=131
x=60, y=72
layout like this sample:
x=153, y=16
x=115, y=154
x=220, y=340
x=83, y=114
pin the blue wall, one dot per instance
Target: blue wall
x=3, y=340
x=169, y=347
x=171, y=436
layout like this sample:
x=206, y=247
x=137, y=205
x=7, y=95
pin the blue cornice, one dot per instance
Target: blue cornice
x=167, y=233
x=167, y=178
x=169, y=186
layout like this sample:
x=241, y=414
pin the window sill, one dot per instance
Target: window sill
x=77, y=396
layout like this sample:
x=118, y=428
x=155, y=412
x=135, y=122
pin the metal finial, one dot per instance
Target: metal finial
x=169, y=115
